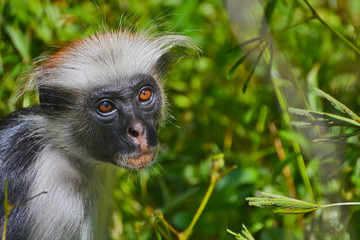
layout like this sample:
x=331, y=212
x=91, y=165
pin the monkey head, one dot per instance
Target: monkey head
x=103, y=96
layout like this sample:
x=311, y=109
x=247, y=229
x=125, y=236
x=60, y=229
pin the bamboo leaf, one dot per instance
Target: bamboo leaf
x=332, y=118
x=236, y=65
x=240, y=61
x=253, y=69
x=246, y=42
x=338, y=105
x=339, y=137
x=321, y=123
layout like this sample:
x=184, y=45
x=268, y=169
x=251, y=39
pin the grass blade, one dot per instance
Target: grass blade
x=237, y=64
x=338, y=105
x=339, y=137
x=244, y=235
x=19, y=40
x=240, y=61
x=253, y=68
x=332, y=118
x=287, y=205
x=246, y=42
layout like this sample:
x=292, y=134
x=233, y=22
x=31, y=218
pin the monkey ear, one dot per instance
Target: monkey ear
x=164, y=63
x=53, y=100
x=174, y=54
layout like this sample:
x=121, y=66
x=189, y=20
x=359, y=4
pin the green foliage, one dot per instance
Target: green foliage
x=245, y=234
x=278, y=52
x=286, y=205
x=328, y=119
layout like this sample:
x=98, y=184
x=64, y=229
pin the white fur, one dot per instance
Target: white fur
x=101, y=59
x=69, y=208
x=59, y=213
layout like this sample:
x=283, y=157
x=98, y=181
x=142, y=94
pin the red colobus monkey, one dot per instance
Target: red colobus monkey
x=101, y=103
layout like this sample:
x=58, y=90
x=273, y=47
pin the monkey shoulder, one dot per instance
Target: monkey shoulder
x=19, y=142
x=18, y=138
x=18, y=148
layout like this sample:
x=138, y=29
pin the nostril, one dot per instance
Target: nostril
x=132, y=132
x=135, y=130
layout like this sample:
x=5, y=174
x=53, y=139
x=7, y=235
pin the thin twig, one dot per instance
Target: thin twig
x=341, y=204
x=168, y=225
x=215, y=177
x=344, y=39
x=27, y=200
x=7, y=209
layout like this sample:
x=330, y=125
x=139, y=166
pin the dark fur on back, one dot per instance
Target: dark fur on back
x=18, y=149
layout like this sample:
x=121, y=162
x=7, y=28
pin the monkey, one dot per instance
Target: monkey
x=101, y=103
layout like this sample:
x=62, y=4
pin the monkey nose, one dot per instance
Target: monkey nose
x=137, y=132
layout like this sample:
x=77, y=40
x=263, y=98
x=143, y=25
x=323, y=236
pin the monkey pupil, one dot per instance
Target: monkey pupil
x=105, y=107
x=145, y=95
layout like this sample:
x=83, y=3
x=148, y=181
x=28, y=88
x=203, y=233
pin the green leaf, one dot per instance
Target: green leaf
x=339, y=137
x=333, y=119
x=287, y=205
x=236, y=65
x=253, y=69
x=338, y=105
x=244, y=43
x=301, y=124
x=244, y=235
x=19, y=40
x=240, y=61
x=294, y=211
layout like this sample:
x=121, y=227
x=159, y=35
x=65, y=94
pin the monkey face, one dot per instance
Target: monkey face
x=122, y=121
x=100, y=101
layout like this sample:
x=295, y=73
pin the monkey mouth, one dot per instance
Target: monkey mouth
x=136, y=160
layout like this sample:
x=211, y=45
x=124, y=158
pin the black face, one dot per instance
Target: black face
x=124, y=121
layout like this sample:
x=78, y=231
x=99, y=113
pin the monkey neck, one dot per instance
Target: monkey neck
x=75, y=197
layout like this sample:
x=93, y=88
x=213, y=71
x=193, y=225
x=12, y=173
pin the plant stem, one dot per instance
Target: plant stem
x=341, y=204
x=185, y=235
x=299, y=158
x=168, y=225
x=344, y=39
x=7, y=209
x=215, y=177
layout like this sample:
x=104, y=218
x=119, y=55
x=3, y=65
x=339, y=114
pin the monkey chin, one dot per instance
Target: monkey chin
x=136, y=160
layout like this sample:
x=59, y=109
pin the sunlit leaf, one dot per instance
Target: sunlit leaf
x=240, y=61
x=287, y=205
x=244, y=235
x=338, y=105
x=19, y=39
x=253, y=69
x=331, y=118
x=338, y=137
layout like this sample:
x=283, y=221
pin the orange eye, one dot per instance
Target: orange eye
x=145, y=95
x=106, y=107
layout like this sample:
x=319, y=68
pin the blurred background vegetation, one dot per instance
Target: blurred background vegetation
x=289, y=46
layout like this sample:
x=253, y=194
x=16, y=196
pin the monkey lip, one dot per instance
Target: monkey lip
x=137, y=161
